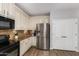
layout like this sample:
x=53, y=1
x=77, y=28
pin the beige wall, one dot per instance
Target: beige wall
x=37, y=19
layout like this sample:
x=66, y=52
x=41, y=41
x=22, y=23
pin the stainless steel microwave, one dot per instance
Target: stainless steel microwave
x=6, y=23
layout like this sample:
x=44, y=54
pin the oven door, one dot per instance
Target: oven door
x=12, y=50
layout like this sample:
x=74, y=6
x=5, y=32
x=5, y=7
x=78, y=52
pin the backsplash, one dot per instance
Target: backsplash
x=7, y=32
x=11, y=33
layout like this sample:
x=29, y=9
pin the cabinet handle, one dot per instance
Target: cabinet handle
x=4, y=12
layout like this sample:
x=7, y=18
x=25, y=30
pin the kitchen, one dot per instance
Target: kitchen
x=23, y=27
x=29, y=40
x=51, y=31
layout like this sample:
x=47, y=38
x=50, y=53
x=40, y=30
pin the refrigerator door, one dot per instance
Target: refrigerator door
x=43, y=36
x=48, y=31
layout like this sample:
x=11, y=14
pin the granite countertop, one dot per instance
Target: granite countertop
x=24, y=37
x=20, y=37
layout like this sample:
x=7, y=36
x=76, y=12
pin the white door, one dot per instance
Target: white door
x=65, y=34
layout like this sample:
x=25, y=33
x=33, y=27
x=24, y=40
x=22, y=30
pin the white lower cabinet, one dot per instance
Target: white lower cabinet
x=26, y=44
x=34, y=41
x=22, y=46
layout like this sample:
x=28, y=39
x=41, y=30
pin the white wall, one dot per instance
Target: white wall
x=65, y=14
x=37, y=19
x=51, y=30
x=78, y=34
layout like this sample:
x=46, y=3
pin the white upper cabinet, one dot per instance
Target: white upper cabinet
x=1, y=9
x=21, y=19
x=17, y=18
x=7, y=9
x=11, y=10
x=26, y=22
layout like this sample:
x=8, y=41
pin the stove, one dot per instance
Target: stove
x=7, y=49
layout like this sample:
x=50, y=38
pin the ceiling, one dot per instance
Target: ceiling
x=45, y=8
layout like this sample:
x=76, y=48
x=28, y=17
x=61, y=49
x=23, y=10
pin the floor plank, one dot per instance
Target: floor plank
x=37, y=52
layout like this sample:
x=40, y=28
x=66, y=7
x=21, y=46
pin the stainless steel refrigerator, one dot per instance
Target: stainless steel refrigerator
x=43, y=36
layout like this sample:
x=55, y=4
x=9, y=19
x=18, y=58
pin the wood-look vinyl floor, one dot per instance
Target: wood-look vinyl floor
x=37, y=52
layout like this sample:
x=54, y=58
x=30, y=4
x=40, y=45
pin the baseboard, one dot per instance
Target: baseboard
x=64, y=50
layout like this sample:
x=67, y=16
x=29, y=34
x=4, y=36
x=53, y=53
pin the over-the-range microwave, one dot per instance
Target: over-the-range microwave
x=6, y=23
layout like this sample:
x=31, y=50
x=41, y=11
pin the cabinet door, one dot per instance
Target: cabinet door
x=22, y=21
x=29, y=43
x=26, y=17
x=33, y=41
x=22, y=46
x=11, y=10
x=17, y=19
x=1, y=10
x=25, y=22
x=5, y=9
x=25, y=45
